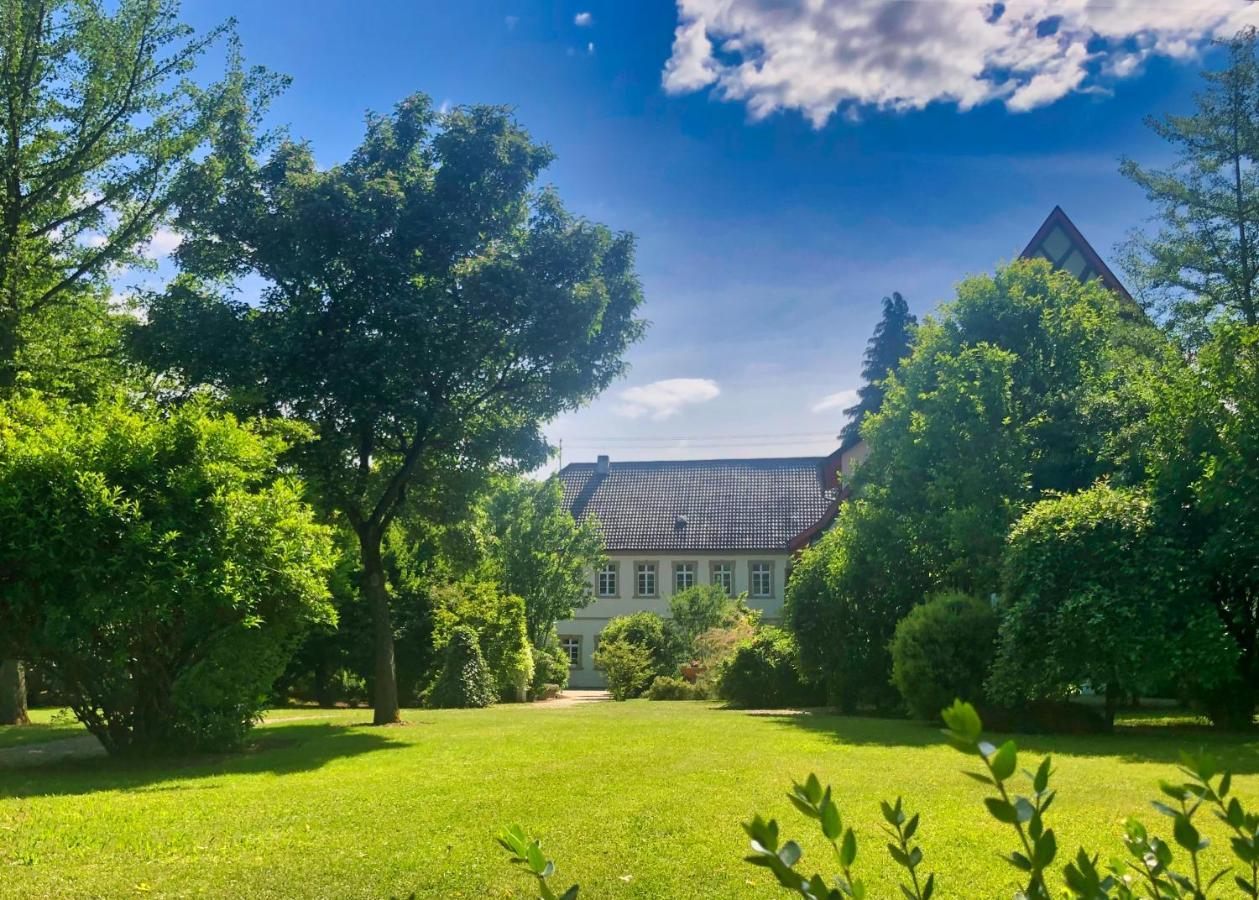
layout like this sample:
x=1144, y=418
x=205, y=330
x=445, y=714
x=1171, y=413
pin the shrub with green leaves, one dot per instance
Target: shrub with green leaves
x=550, y=666
x=158, y=566
x=942, y=650
x=765, y=672
x=527, y=854
x=650, y=632
x=669, y=687
x=465, y=680
x=699, y=609
x=627, y=667
x=499, y=622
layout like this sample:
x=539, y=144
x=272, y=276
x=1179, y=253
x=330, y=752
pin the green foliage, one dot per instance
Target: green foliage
x=424, y=309
x=158, y=565
x=540, y=553
x=1203, y=265
x=764, y=672
x=1204, y=473
x=466, y=681
x=528, y=855
x=550, y=666
x=627, y=666
x=1085, y=568
x=649, y=631
x=669, y=687
x=943, y=649
x=499, y=623
x=698, y=609
x=1019, y=388
x=887, y=347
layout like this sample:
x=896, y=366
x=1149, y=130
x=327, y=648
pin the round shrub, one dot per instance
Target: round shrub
x=650, y=632
x=764, y=672
x=941, y=651
x=465, y=682
x=550, y=666
x=668, y=687
x=158, y=567
x=626, y=666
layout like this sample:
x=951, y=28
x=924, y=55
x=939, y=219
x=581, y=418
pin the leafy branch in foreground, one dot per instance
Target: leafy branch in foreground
x=528, y=854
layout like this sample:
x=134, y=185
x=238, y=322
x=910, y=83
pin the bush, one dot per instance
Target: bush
x=667, y=687
x=650, y=632
x=696, y=610
x=499, y=623
x=764, y=672
x=942, y=650
x=465, y=680
x=550, y=666
x=626, y=666
x=157, y=567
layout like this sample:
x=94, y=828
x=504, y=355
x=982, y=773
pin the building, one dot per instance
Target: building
x=671, y=524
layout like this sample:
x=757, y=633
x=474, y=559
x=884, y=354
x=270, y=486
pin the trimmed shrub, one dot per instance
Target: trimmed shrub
x=696, y=610
x=627, y=667
x=550, y=667
x=465, y=680
x=942, y=650
x=764, y=672
x=668, y=687
x=499, y=623
x=649, y=631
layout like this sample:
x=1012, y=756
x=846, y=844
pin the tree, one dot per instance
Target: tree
x=1021, y=387
x=646, y=630
x=424, y=310
x=942, y=651
x=466, y=681
x=159, y=566
x=540, y=553
x=1204, y=475
x=887, y=347
x=699, y=609
x=1095, y=593
x=1204, y=262
x=99, y=117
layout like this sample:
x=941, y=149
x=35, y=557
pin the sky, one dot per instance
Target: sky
x=784, y=164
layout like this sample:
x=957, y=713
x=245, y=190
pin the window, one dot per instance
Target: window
x=683, y=576
x=605, y=580
x=645, y=579
x=723, y=574
x=761, y=579
x=571, y=646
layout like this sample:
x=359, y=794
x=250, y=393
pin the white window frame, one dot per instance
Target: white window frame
x=575, y=639
x=725, y=567
x=608, y=570
x=646, y=568
x=688, y=568
x=753, y=574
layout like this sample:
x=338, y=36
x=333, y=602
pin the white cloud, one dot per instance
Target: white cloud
x=824, y=56
x=163, y=243
x=511, y=21
x=590, y=48
x=662, y=399
x=583, y=20
x=837, y=400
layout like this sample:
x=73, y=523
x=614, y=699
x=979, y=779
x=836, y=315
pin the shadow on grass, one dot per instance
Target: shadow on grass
x=1138, y=744
x=275, y=751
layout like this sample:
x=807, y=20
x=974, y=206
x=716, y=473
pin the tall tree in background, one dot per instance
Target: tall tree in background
x=425, y=310
x=1204, y=262
x=540, y=553
x=97, y=115
x=888, y=345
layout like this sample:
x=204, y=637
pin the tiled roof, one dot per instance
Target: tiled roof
x=712, y=505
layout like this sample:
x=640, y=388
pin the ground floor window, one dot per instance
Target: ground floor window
x=571, y=645
x=683, y=576
x=761, y=579
x=723, y=576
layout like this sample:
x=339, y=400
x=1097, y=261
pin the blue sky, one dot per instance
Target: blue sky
x=783, y=164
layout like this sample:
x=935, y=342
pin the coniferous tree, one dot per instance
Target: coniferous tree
x=888, y=345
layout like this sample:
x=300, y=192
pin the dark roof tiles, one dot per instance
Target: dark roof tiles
x=716, y=505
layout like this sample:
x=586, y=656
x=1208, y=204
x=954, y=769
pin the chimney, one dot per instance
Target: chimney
x=602, y=464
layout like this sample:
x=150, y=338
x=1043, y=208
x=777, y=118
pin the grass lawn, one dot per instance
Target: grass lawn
x=633, y=800
x=46, y=725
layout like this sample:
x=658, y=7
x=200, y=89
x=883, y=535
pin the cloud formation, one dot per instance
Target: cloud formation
x=837, y=400
x=826, y=56
x=583, y=19
x=662, y=399
x=163, y=243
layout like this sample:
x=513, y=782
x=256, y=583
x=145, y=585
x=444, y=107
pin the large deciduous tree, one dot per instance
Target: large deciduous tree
x=97, y=115
x=1204, y=262
x=887, y=346
x=425, y=309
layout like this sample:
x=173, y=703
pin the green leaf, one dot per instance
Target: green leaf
x=963, y=724
x=1004, y=761
x=848, y=849
x=1186, y=834
x=1045, y=850
x=790, y=853
x=831, y=824
x=1041, y=780
x=1001, y=810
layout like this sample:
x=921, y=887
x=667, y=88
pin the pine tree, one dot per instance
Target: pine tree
x=888, y=345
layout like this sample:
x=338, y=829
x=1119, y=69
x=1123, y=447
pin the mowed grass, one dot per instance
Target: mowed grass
x=46, y=725
x=633, y=799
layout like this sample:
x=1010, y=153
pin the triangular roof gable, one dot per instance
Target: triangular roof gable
x=1060, y=242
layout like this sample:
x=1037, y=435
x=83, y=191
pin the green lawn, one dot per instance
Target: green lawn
x=633, y=800
x=46, y=725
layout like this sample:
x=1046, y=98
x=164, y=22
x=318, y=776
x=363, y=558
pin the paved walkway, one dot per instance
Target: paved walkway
x=83, y=747
x=572, y=697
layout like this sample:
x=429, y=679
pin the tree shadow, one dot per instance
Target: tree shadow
x=1238, y=752
x=273, y=750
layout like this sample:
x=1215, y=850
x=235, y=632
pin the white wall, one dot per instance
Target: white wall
x=588, y=622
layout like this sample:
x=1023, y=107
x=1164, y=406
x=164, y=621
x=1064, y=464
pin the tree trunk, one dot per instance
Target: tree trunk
x=13, y=693
x=385, y=686
x=1112, y=704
